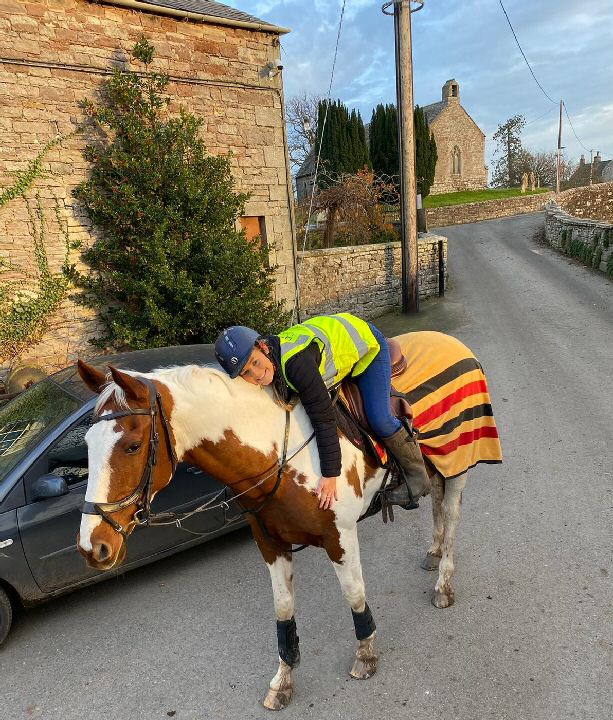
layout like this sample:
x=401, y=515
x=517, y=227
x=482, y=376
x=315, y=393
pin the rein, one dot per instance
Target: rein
x=142, y=494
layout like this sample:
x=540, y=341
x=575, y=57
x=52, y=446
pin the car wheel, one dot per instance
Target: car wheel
x=6, y=615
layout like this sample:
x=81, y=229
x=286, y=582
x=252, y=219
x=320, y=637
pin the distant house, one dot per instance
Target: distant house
x=596, y=172
x=305, y=177
x=460, y=144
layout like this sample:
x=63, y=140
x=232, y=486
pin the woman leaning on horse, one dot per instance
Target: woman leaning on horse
x=310, y=358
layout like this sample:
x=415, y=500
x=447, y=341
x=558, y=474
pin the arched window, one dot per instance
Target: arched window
x=456, y=161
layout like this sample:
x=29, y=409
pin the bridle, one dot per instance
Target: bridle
x=142, y=495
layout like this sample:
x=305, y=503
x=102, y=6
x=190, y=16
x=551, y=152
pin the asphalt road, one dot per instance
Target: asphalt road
x=530, y=634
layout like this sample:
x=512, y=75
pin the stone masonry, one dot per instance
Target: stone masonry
x=366, y=278
x=56, y=53
x=460, y=144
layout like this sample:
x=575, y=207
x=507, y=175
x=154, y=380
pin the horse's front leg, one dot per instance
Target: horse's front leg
x=451, y=509
x=280, y=566
x=349, y=573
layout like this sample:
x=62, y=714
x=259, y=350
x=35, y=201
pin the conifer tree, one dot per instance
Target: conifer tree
x=343, y=143
x=425, y=153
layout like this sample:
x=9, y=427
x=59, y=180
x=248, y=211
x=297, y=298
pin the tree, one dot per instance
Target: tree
x=383, y=140
x=342, y=141
x=425, y=153
x=169, y=266
x=299, y=109
x=507, y=170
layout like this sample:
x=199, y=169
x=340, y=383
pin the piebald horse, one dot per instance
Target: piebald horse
x=237, y=433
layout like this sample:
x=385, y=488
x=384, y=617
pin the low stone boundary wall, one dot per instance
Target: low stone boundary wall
x=564, y=232
x=594, y=202
x=486, y=210
x=364, y=279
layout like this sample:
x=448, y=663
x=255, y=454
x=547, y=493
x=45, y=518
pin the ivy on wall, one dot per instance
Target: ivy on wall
x=26, y=303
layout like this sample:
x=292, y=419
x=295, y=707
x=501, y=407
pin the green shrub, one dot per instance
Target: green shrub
x=597, y=257
x=169, y=266
x=595, y=239
x=610, y=265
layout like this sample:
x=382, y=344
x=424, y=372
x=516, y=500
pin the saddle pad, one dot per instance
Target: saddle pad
x=447, y=389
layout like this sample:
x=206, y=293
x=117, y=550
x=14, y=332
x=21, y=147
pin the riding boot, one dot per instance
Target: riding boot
x=405, y=448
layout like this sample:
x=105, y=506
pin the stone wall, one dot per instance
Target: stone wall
x=455, y=127
x=591, y=240
x=365, y=279
x=593, y=201
x=56, y=53
x=486, y=210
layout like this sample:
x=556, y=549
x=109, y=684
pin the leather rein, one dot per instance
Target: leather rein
x=142, y=494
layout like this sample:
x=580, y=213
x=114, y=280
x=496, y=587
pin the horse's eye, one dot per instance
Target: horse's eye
x=133, y=447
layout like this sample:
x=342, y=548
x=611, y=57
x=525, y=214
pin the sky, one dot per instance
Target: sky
x=568, y=43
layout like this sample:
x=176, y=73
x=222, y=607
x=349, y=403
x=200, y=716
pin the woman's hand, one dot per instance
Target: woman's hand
x=326, y=490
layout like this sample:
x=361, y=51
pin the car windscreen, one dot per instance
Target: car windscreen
x=29, y=417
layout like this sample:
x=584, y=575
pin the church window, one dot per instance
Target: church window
x=456, y=161
x=454, y=91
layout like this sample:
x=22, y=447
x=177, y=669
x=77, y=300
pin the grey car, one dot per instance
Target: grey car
x=43, y=477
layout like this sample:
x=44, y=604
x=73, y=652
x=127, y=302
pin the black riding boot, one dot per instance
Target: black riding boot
x=405, y=448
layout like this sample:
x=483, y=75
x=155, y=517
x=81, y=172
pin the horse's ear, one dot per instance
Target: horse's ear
x=91, y=376
x=133, y=387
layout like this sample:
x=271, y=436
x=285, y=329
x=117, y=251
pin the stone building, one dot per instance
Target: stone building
x=460, y=144
x=223, y=66
x=589, y=173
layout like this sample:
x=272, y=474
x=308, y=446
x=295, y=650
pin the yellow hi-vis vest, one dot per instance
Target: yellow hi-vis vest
x=347, y=345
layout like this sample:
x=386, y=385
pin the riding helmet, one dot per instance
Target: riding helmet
x=234, y=347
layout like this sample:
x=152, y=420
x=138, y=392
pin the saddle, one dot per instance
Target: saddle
x=353, y=423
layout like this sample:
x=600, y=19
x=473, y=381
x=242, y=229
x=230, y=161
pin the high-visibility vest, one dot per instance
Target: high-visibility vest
x=347, y=345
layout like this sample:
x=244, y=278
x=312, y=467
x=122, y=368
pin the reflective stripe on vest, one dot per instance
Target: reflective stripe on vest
x=347, y=345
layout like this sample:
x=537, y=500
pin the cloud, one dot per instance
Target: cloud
x=567, y=45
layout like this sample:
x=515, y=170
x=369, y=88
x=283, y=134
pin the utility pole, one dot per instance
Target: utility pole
x=559, y=151
x=591, y=164
x=406, y=148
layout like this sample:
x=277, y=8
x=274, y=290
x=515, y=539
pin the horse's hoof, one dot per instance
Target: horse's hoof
x=364, y=668
x=430, y=562
x=442, y=600
x=278, y=699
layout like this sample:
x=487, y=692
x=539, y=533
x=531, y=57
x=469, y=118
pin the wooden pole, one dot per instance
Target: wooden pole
x=559, y=151
x=406, y=147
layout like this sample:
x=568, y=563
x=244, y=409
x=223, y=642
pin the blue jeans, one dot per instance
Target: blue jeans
x=375, y=385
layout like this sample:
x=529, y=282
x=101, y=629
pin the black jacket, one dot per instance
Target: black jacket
x=302, y=371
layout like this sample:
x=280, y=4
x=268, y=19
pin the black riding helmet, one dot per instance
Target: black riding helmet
x=233, y=348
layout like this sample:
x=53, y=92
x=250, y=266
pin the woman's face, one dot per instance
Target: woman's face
x=259, y=369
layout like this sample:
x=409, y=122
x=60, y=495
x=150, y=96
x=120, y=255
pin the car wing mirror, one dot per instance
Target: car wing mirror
x=49, y=486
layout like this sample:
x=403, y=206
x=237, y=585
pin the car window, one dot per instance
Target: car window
x=67, y=457
x=26, y=419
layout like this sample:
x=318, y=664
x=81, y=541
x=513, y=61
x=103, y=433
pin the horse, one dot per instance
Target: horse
x=145, y=423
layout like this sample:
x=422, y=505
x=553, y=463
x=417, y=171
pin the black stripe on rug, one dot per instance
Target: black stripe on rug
x=469, y=414
x=451, y=373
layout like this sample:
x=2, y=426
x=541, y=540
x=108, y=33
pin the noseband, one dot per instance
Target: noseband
x=142, y=495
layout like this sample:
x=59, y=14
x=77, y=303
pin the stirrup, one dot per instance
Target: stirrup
x=411, y=504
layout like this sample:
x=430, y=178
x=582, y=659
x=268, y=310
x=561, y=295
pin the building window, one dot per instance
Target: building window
x=456, y=161
x=454, y=91
x=255, y=228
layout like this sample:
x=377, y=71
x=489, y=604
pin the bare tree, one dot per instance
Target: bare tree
x=301, y=118
x=543, y=165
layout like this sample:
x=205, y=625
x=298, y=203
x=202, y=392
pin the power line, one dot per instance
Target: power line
x=541, y=116
x=573, y=129
x=323, y=127
x=524, y=55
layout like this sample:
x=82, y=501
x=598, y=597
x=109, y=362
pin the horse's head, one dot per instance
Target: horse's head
x=131, y=458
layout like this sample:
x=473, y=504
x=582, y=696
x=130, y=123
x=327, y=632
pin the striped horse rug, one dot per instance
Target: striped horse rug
x=447, y=389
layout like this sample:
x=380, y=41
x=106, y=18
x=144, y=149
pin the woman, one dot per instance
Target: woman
x=310, y=358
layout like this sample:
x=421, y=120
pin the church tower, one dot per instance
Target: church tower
x=451, y=91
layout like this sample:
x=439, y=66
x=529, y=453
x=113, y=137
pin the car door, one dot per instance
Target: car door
x=49, y=526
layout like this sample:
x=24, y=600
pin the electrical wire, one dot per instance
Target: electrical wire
x=541, y=116
x=573, y=129
x=524, y=56
x=323, y=128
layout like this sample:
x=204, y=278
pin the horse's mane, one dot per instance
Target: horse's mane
x=179, y=375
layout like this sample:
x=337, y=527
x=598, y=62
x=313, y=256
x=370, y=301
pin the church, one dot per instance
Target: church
x=460, y=144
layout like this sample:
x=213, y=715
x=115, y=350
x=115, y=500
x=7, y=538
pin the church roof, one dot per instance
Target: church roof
x=209, y=10
x=433, y=110
x=308, y=166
